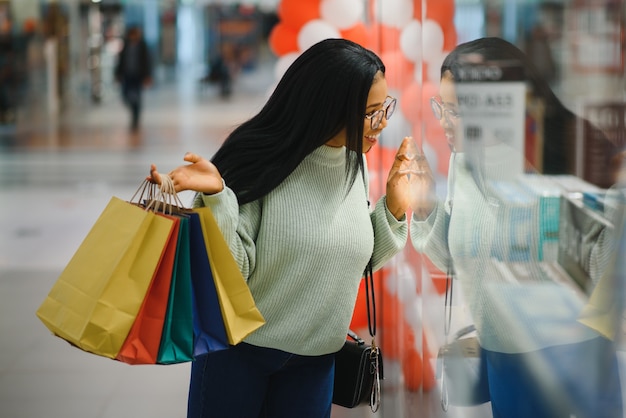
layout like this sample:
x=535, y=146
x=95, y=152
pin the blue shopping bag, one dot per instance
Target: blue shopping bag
x=208, y=323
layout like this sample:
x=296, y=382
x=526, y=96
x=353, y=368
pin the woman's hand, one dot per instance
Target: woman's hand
x=422, y=187
x=398, y=186
x=410, y=183
x=200, y=175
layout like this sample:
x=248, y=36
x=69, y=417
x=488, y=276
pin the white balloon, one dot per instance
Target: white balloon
x=432, y=40
x=417, y=72
x=413, y=315
x=342, y=14
x=283, y=63
x=434, y=67
x=394, y=13
x=411, y=41
x=314, y=31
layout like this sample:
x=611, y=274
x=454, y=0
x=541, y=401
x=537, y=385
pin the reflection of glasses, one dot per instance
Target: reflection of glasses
x=376, y=117
x=440, y=110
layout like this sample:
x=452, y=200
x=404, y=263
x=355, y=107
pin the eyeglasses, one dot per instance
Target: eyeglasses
x=376, y=117
x=440, y=110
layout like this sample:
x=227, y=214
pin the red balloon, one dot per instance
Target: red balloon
x=441, y=11
x=283, y=39
x=385, y=38
x=413, y=370
x=449, y=37
x=379, y=161
x=359, y=34
x=296, y=13
x=429, y=90
x=399, y=69
x=435, y=137
x=429, y=380
x=417, y=10
x=411, y=102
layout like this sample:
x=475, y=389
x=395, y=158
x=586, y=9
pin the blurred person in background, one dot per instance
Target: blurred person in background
x=133, y=71
x=7, y=73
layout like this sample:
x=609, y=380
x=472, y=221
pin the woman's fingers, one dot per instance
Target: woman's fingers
x=155, y=176
x=199, y=175
x=190, y=157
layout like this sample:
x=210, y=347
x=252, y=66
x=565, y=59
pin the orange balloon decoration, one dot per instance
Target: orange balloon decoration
x=417, y=10
x=385, y=38
x=399, y=69
x=437, y=276
x=433, y=134
x=379, y=162
x=296, y=13
x=283, y=39
x=359, y=34
x=441, y=11
x=410, y=102
x=449, y=37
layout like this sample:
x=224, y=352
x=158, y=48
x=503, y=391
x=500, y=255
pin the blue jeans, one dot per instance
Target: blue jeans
x=580, y=380
x=131, y=92
x=246, y=381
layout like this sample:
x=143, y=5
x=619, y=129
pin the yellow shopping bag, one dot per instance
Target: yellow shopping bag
x=94, y=302
x=239, y=311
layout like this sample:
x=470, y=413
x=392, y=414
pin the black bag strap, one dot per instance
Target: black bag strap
x=370, y=300
x=371, y=324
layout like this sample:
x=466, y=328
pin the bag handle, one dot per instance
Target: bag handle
x=371, y=325
x=166, y=201
x=370, y=300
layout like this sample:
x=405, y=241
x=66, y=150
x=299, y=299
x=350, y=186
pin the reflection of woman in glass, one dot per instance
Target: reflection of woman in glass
x=541, y=362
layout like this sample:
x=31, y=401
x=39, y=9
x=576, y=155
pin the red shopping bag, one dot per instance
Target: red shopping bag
x=142, y=343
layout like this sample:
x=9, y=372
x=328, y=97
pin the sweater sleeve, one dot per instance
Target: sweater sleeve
x=239, y=225
x=430, y=236
x=390, y=234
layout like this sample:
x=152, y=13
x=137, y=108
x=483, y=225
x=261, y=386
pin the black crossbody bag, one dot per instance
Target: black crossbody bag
x=359, y=366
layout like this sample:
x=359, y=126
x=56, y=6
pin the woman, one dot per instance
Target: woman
x=541, y=361
x=289, y=191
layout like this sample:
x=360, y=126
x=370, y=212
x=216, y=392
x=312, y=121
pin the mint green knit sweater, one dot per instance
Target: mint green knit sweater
x=303, y=249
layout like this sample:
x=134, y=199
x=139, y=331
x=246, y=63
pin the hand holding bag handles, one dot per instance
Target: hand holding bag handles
x=94, y=302
x=359, y=366
x=115, y=297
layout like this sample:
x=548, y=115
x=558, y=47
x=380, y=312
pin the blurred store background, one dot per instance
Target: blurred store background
x=65, y=148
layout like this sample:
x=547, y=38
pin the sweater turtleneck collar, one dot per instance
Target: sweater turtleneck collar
x=330, y=156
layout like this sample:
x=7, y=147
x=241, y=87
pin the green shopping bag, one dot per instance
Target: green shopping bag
x=177, y=337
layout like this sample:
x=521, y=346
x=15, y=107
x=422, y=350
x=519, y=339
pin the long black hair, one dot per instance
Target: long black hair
x=324, y=91
x=559, y=122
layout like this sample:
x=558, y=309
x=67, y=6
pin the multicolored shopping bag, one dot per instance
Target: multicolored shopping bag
x=143, y=340
x=94, y=302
